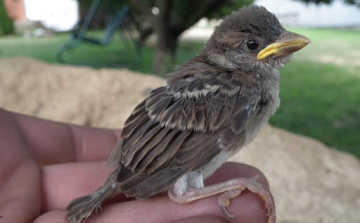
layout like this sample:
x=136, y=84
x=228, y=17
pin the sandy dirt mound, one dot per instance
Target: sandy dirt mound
x=310, y=182
x=79, y=95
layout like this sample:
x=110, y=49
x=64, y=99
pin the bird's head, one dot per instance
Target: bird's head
x=251, y=37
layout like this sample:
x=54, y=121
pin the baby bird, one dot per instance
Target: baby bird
x=212, y=106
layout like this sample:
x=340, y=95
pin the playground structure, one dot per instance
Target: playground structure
x=120, y=22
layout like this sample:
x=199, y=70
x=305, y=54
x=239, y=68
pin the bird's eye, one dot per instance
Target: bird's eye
x=252, y=44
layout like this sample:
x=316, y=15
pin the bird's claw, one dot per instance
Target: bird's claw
x=224, y=200
x=225, y=212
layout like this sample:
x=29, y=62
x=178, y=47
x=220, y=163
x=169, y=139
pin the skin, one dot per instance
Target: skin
x=44, y=165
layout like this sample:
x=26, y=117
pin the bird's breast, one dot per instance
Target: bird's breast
x=266, y=107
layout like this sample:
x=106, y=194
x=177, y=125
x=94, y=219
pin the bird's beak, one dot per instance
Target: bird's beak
x=288, y=43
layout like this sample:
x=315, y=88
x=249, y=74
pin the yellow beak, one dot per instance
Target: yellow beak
x=288, y=43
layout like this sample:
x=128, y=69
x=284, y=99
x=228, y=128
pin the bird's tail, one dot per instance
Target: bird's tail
x=81, y=208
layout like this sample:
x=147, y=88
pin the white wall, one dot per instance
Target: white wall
x=312, y=15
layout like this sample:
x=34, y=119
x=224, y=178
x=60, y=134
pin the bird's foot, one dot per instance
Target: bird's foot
x=224, y=201
x=253, y=186
x=229, y=190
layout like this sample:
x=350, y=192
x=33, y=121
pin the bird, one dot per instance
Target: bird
x=212, y=106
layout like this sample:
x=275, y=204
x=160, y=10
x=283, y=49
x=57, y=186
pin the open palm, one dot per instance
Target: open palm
x=44, y=165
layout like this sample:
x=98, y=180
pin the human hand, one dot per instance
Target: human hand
x=44, y=165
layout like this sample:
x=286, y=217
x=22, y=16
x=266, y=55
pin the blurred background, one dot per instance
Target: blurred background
x=320, y=87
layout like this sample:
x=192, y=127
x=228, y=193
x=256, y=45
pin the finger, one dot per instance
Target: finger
x=247, y=206
x=59, y=217
x=64, y=182
x=231, y=170
x=161, y=209
x=52, y=216
x=19, y=175
x=53, y=142
x=197, y=219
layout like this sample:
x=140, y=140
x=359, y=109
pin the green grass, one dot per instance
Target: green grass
x=339, y=47
x=320, y=87
x=321, y=101
x=46, y=48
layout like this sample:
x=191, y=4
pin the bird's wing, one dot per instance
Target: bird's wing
x=180, y=122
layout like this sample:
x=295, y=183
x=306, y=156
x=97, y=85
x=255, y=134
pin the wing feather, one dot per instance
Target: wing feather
x=178, y=128
x=182, y=156
x=164, y=141
x=135, y=135
x=145, y=142
x=158, y=152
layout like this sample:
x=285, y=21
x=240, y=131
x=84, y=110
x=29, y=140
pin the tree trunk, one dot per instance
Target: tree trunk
x=169, y=20
x=144, y=34
x=165, y=53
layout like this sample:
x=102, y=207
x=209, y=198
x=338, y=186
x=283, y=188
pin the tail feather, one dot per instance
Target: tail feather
x=81, y=208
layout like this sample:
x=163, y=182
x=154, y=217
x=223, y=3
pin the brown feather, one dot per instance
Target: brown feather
x=240, y=121
x=168, y=115
x=154, y=98
x=159, y=149
x=135, y=124
x=143, y=145
x=195, y=85
x=154, y=183
x=158, y=108
x=115, y=156
x=180, y=86
x=212, y=82
x=184, y=156
x=135, y=136
x=225, y=77
x=135, y=116
x=220, y=115
x=189, y=110
x=139, y=109
x=202, y=158
x=189, y=127
x=173, y=145
x=150, y=147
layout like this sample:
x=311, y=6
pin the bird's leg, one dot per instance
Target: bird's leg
x=228, y=190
